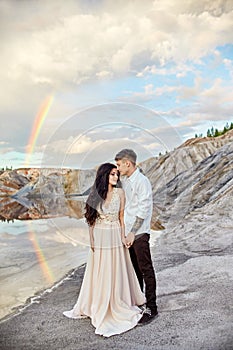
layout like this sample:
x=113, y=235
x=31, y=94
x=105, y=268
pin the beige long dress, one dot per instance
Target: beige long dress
x=110, y=291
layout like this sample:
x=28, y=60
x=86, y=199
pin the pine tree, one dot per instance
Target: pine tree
x=215, y=132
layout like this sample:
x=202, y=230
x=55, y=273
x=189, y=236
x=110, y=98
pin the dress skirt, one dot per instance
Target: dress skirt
x=110, y=290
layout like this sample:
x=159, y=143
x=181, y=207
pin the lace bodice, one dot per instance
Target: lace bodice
x=111, y=212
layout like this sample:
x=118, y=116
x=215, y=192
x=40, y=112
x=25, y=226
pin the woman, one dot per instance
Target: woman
x=110, y=290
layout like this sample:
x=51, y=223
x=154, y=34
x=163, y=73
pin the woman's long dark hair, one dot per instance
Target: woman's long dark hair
x=99, y=192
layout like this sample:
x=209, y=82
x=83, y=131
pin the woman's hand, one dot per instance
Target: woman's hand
x=123, y=240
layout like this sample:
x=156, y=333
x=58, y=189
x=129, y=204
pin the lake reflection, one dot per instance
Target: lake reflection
x=40, y=242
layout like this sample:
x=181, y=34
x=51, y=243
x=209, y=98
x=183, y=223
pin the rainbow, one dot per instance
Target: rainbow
x=39, y=120
x=40, y=257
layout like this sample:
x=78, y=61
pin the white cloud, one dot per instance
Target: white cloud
x=102, y=143
x=60, y=47
x=84, y=144
x=74, y=47
x=5, y=150
x=104, y=74
x=229, y=66
x=218, y=95
x=149, y=93
x=153, y=147
x=213, y=7
x=179, y=70
x=187, y=92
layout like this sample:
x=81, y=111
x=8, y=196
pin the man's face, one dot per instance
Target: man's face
x=123, y=166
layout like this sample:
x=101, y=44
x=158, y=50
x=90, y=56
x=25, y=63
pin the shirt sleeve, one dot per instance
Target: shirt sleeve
x=144, y=198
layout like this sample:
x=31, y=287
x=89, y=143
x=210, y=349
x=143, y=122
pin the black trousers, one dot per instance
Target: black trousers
x=143, y=266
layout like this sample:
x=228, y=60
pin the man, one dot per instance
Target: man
x=138, y=212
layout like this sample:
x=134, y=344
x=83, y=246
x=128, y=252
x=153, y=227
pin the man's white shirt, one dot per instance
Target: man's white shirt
x=138, y=193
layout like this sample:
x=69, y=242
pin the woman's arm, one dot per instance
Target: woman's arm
x=91, y=229
x=121, y=214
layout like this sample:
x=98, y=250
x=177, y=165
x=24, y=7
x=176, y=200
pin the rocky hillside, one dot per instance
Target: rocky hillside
x=47, y=182
x=163, y=169
x=198, y=172
x=206, y=181
x=48, y=207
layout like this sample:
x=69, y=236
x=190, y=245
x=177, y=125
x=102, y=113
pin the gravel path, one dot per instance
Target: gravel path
x=195, y=309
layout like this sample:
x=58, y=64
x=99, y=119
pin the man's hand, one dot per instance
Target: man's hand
x=130, y=239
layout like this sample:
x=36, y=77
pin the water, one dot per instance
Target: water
x=40, y=242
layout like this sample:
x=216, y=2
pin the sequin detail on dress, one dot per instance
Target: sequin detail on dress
x=111, y=212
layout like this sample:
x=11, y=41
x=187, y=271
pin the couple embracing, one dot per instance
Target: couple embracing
x=118, y=213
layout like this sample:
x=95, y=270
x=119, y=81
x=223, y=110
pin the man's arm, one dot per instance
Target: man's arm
x=137, y=224
x=131, y=235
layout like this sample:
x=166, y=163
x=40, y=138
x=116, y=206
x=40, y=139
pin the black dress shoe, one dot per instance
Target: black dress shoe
x=147, y=316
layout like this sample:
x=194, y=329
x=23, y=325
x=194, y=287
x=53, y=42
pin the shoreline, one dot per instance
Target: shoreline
x=36, y=256
x=38, y=294
x=192, y=313
x=178, y=327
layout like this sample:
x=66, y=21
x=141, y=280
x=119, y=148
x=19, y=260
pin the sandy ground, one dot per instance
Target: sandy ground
x=195, y=310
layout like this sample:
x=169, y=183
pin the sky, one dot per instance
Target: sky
x=80, y=80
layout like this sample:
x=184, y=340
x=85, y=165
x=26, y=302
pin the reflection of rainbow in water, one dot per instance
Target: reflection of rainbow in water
x=39, y=120
x=40, y=255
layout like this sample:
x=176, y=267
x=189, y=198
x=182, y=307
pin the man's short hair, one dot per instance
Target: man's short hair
x=127, y=154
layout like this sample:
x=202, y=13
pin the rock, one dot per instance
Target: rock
x=24, y=208
x=162, y=170
x=11, y=182
x=37, y=183
x=78, y=181
x=194, y=188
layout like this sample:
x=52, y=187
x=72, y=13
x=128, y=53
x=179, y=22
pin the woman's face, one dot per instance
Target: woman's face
x=113, y=177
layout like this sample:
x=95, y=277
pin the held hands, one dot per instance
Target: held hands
x=129, y=240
